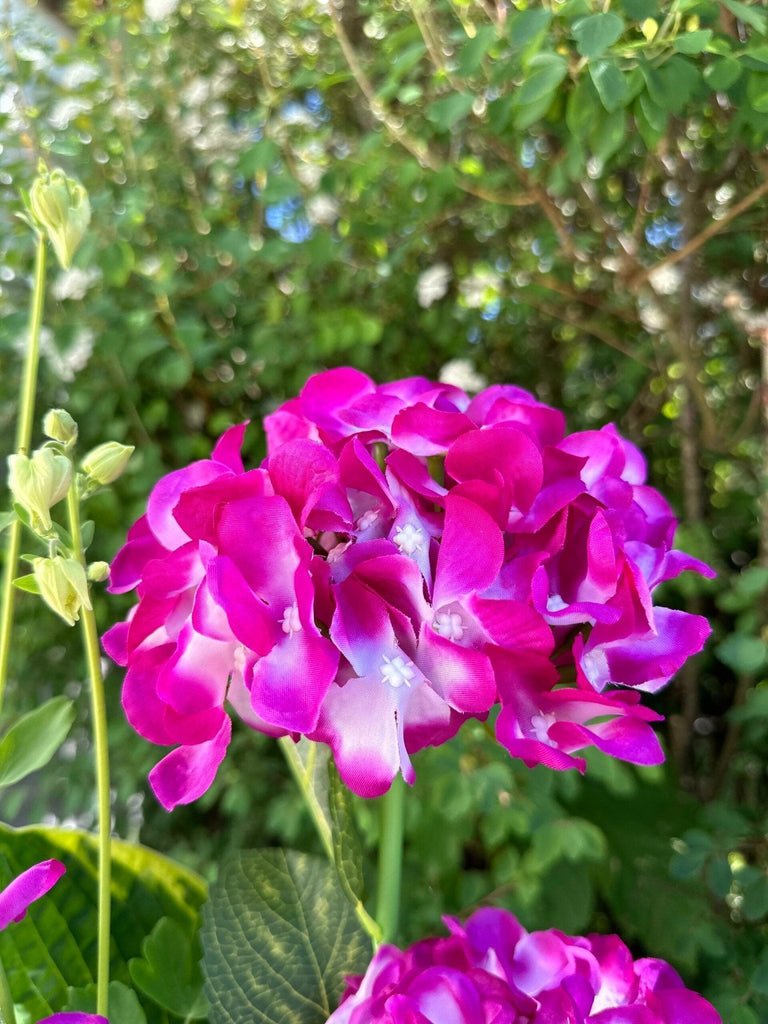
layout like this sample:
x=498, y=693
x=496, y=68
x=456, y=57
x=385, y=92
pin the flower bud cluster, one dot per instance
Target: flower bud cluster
x=404, y=559
x=491, y=969
x=60, y=208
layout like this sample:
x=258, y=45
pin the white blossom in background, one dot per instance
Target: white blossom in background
x=322, y=210
x=461, y=373
x=65, y=365
x=158, y=10
x=432, y=284
x=665, y=280
x=480, y=287
x=74, y=283
x=653, y=317
x=77, y=74
x=66, y=110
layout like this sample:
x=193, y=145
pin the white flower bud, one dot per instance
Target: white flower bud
x=37, y=484
x=61, y=209
x=59, y=426
x=63, y=586
x=106, y=462
x=98, y=572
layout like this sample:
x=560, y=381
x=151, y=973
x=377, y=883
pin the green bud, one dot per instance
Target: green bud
x=61, y=209
x=59, y=426
x=37, y=484
x=106, y=462
x=98, y=572
x=63, y=586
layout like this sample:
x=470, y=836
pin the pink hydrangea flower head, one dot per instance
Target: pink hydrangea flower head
x=490, y=970
x=404, y=558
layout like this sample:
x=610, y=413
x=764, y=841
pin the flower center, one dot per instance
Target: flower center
x=290, y=621
x=397, y=671
x=450, y=625
x=541, y=724
x=409, y=539
x=367, y=519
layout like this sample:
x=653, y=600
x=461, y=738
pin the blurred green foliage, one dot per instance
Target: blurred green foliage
x=560, y=195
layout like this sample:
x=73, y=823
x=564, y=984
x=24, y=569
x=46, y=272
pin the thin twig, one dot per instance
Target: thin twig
x=712, y=229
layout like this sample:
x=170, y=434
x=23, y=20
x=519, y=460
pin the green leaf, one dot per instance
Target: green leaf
x=7, y=519
x=179, y=991
x=757, y=92
x=612, y=87
x=693, y=42
x=54, y=947
x=27, y=583
x=86, y=533
x=32, y=741
x=759, y=980
x=672, y=85
x=749, y=15
x=721, y=74
x=609, y=132
x=472, y=53
x=262, y=156
x=755, y=905
x=444, y=113
x=639, y=10
x=582, y=108
x=278, y=938
x=745, y=654
x=124, y=1005
x=546, y=72
x=596, y=33
x=528, y=28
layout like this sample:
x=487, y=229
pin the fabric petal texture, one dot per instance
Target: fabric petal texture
x=27, y=887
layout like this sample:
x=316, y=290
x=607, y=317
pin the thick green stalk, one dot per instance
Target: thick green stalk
x=390, y=860
x=24, y=423
x=101, y=747
x=7, y=1010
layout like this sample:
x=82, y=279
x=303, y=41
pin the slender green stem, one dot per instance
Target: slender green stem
x=7, y=1011
x=303, y=775
x=101, y=747
x=26, y=416
x=390, y=860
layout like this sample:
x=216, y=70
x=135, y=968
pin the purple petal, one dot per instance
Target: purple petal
x=74, y=1018
x=326, y=395
x=195, y=678
x=29, y=886
x=463, y=678
x=187, y=772
x=506, y=403
x=421, y=430
x=286, y=424
x=197, y=509
x=306, y=474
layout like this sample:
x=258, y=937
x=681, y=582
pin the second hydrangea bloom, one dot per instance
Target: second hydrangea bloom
x=405, y=558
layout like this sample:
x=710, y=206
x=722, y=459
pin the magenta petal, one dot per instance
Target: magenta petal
x=463, y=678
x=326, y=394
x=187, y=772
x=196, y=511
x=227, y=449
x=74, y=1018
x=115, y=642
x=360, y=723
x=128, y=564
x=421, y=430
x=250, y=620
x=166, y=494
x=195, y=678
x=288, y=684
x=29, y=886
x=471, y=552
x=306, y=474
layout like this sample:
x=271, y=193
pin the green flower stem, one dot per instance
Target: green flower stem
x=99, y=716
x=390, y=860
x=7, y=1011
x=303, y=775
x=23, y=439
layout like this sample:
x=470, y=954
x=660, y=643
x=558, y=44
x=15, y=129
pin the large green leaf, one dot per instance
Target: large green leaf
x=596, y=33
x=54, y=947
x=279, y=935
x=32, y=741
